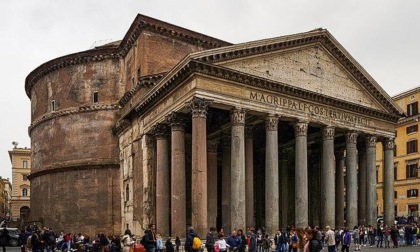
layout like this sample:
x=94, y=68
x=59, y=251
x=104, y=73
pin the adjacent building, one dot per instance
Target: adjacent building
x=406, y=158
x=20, y=159
x=173, y=127
x=5, y=198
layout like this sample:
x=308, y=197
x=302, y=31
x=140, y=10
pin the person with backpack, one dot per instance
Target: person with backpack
x=177, y=243
x=346, y=240
x=210, y=240
x=192, y=241
x=168, y=245
x=149, y=238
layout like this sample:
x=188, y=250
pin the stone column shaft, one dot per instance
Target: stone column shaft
x=301, y=174
x=199, y=165
x=212, y=182
x=162, y=180
x=226, y=157
x=388, y=189
x=178, y=190
x=271, y=175
x=237, y=210
x=249, y=177
x=361, y=210
x=351, y=179
x=339, y=195
x=371, y=198
x=328, y=178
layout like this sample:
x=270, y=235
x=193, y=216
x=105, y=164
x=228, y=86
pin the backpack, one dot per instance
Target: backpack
x=196, y=243
x=143, y=240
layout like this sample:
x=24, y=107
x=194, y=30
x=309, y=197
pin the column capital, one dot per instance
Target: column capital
x=212, y=145
x=351, y=137
x=301, y=128
x=328, y=133
x=271, y=122
x=370, y=141
x=237, y=116
x=388, y=143
x=249, y=132
x=176, y=120
x=160, y=130
x=226, y=140
x=199, y=107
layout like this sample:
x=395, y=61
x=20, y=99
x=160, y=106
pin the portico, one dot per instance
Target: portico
x=272, y=126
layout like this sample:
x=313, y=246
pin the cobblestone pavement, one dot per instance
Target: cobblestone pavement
x=375, y=249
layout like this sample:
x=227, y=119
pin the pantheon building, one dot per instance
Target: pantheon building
x=173, y=127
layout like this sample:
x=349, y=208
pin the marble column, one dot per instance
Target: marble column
x=212, y=182
x=226, y=156
x=371, y=196
x=249, y=177
x=328, y=178
x=339, y=185
x=237, y=177
x=301, y=174
x=388, y=175
x=351, y=179
x=284, y=190
x=271, y=174
x=178, y=182
x=162, y=179
x=199, y=165
x=361, y=193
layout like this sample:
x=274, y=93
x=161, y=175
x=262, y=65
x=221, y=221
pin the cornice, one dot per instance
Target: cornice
x=69, y=111
x=145, y=81
x=406, y=93
x=120, y=126
x=163, y=88
x=409, y=119
x=113, y=164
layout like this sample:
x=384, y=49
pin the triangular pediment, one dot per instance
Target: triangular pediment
x=311, y=68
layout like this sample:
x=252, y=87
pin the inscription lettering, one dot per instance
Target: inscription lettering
x=307, y=108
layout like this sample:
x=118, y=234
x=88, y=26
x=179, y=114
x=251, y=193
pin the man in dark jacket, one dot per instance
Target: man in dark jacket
x=234, y=241
x=210, y=239
x=252, y=241
x=189, y=240
x=150, y=238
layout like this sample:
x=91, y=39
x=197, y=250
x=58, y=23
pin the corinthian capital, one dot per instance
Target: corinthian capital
x=370, y=141
x=328, y=133
x=176, y=120
x=301, y=129
x=199, y=107
x=237, y=116
x=160, y=130
x=271, y=123
x=388, y=143
x=351, y=137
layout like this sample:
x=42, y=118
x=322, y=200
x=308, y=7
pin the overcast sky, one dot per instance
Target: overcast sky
x=382, y=35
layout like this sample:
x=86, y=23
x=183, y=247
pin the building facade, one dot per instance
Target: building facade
x=5, y=198
x=173, y=127
x=406, y=157
x=20, y=159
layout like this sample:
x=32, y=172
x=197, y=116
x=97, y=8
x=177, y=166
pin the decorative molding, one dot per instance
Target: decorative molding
x=120, y=126
x=328, y=133
x=249, y=132
x=351, y=137
x=237, y=117
x=370, y=141
x=388, y=143
x=161, y=130
x=271, y=123
x=69, y=111
x=301, y=129
x=212, y=145
x=199, y=107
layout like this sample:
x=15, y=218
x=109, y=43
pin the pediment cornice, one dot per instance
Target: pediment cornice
x=171, y=82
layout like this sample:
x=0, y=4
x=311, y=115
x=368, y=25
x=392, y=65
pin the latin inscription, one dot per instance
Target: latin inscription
x=307, y=108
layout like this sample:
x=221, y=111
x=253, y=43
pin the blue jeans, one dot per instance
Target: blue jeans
x=331, y=248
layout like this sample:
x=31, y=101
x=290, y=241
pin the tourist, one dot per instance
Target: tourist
x=127, y=241
x=221, y=244
x=210, y=241
x=189, y=240
x=234, y=241
x=159, y=243
x=346, y=241
x=150, y=238
x=330, y=239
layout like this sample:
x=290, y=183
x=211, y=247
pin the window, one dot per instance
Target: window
x=25, y=177
x=95, y=97
x=412, y=193
x=53, y=105
x=24, y=192
x=412, y=168
x=25, y=163
x=412, y=129
x=395, y=172
x=412, y=146
x=395, y=150
x=413, y=109
x=377, y=174
x=127, y=193
x=395, y=194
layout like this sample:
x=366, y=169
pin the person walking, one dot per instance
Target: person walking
x=210, y=240
x=330, y=239
x=127, y=241
x=189, y=240
x=150, y=238
x=252, y=241
x=346, y=240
